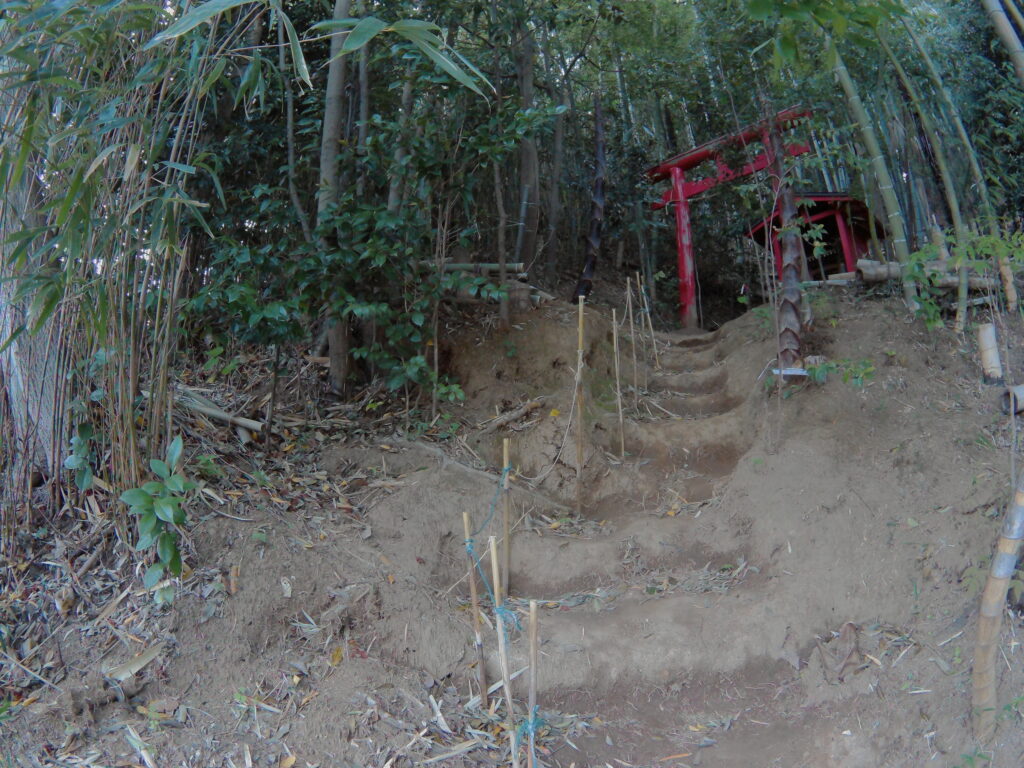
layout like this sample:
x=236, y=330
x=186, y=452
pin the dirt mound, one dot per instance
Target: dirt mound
x=761, y=579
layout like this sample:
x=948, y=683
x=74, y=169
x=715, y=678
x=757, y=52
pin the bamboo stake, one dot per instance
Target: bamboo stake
x=532, y=713
x=650, y=324
x=579, y=411
x=632, y=341
x=474, y=595
x=503, y=651
x=618, y=385
x=506, y=520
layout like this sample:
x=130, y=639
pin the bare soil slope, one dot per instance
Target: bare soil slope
x=759, y=581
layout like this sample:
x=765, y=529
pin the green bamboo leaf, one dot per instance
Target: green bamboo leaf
x=192, y=19
x=98, y=161
x=363, y=32
x=429, y=48
x=293, y=42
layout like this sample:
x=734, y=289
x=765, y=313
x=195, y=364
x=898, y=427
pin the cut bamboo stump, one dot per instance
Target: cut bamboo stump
x=984, y=700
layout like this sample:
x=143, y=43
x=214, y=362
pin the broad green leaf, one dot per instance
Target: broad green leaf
x=166, y=508
x=174, y=453
x=175, y=483
x=149, y=525
x=146, y=539
x=136, y=497
x=160, y=468
x=363, y=32
x=153, y=575
x=166, y=546
x=174, y=564
x=759, y=10
x=192, y=19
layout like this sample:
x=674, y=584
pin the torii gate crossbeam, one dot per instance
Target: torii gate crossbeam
x=682, y=191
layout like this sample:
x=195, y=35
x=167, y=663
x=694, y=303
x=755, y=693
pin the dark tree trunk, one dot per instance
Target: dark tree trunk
x=592, y=244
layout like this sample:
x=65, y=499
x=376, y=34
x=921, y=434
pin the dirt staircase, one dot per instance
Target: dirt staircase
x=649, y=602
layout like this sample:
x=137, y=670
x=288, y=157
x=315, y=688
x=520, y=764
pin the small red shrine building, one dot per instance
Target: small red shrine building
x=846, y=232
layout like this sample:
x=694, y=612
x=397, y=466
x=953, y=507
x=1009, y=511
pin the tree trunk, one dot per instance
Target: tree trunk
x=948, y=183
x=1004, y=29
x=397, y=172
x=364, y=112
x=334, y=108
x=554, y=211
x=529, y=170
x=988, y=212
x=894, y=216
x=289, y=99
x=592, y=245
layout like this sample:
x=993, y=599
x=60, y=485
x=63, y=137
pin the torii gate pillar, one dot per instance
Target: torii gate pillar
x=684, y=249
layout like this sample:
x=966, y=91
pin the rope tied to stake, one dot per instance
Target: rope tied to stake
x=507, y=615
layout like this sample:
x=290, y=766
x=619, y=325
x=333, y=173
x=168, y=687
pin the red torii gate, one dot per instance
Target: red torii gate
x=681, y=190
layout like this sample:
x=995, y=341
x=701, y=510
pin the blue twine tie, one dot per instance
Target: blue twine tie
x=509, y=617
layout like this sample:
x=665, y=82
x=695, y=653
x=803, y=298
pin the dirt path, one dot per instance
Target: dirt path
x=759, y=581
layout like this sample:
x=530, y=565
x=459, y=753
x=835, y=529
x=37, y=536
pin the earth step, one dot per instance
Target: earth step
x=711, y=446
x=680, y=360
x=689, y=339
x=697, y=382
x=540, y=569
x=657, y=640
x=695, y=406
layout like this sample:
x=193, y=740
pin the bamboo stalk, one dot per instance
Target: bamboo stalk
x=503, y=651
x=650, y=324
x=474, y=595
x=579, y=410
x=532, y=712
x=632, y=341
x=506, y=520
x=618, y=385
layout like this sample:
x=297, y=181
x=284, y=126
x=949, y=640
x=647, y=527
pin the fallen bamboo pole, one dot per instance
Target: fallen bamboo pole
x=506, y=519
x=984, y=701
x=474, y=595
x=531, y=715
x=650, y=323
x=189, y=400
x=618, y=385
x=632, y=340
x=579, y=410
x=511, y=416
x=503, y=650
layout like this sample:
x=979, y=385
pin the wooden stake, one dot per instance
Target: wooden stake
x=579, y=412
x=506, y=520
x=618, y=385
x=503, y=651
x=477, y=622
x=650, y=323
x=632, y=340
x=532, y=713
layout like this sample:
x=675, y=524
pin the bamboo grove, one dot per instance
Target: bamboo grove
x=292, y=175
